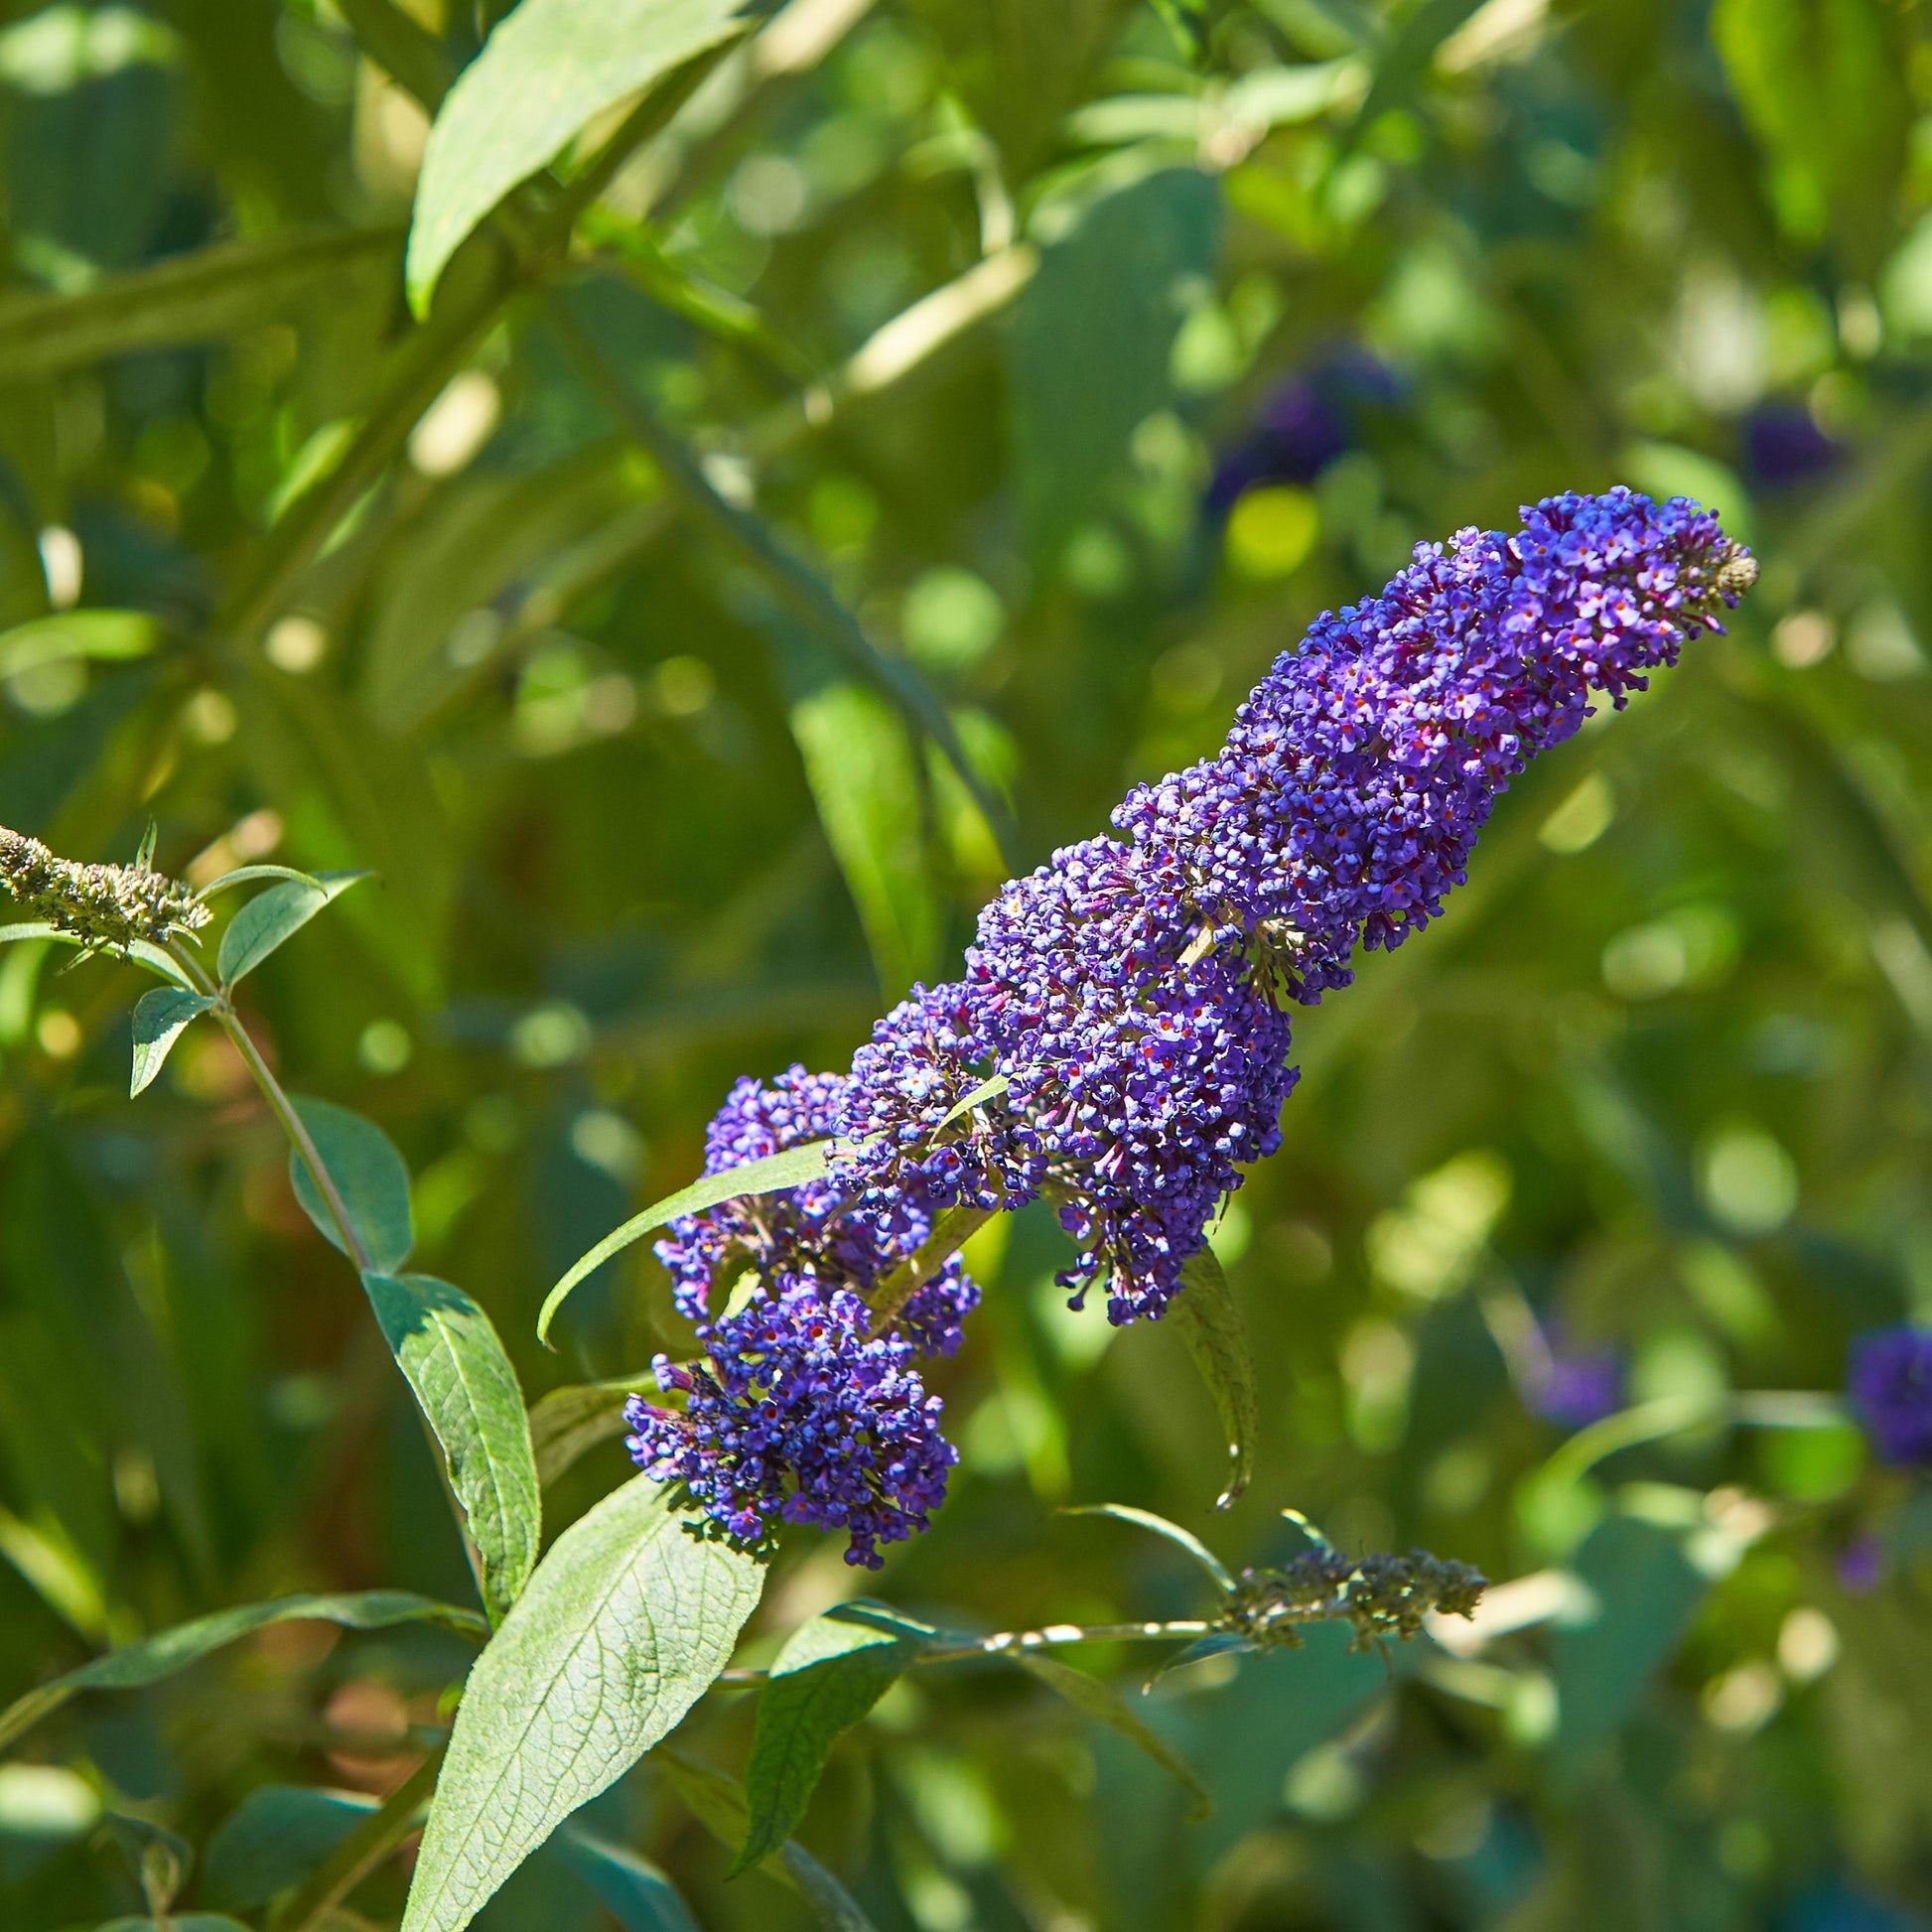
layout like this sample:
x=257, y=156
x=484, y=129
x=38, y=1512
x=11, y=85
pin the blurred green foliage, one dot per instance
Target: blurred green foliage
x=751, y=557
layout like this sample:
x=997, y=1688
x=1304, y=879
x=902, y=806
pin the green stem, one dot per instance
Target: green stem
x=360, y=1852
x=953, y=1230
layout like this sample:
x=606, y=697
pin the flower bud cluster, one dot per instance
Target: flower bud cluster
x=1383, y=1597
x=107, y=907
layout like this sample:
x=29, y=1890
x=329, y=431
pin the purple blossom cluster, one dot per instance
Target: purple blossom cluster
x=1890, y=1386
x=1119, y=1039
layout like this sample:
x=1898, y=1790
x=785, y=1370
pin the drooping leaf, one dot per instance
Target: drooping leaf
x=271, y=918
x=370, y=1176
x=626, y=1622
x=160, y=1656
x=1182, y=1539
x=276, y=1836
x=567, y=1422
x=244, y=875
x=143, y=951
x=1103, y=1703
x=775, y=1175
x=638, y=1895
x=161, y=1016
x=830, y=1673
x=1209, y=1322
x=544, y=73
x=447, y=1348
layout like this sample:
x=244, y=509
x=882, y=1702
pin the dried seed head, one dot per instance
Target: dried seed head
x=108, y=907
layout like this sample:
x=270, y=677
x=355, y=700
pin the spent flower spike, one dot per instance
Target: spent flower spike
x=106, y=907
x=1134, y=992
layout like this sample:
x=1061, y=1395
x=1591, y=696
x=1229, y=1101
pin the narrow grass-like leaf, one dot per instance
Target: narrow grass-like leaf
x=567, y=1422
x=984, y=1091
x=368, y=1173
x=162, y=1655
x=1102, y=1702
x=717, y=1801
x=627, y=1621
x=775, y=1175
x=160, y=1018
x=827, y=1677
x=1146, y=1518
x=546, y=71
x=144, y=952
x=271, y=918
x=109, y=636
x=636, y=1894
x=276, y=1836
x=1209, y=1322
x=447, y=1348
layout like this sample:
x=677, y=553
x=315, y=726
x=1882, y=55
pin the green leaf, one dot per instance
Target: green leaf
x=198, y=298
x=865, y=776
x=830, y=1673
x=776, y=1174
x=1182, y=1539
x=103, y=636
x=143, y=951
x=1209, y=1322
x=368, y=1173
x=1102, y=1702
x=402, y=46
x=159, y=1858
x=190, y=1922
x=273, y=918
x=717, y=1801
x=567, y=1422
x=638, y=1895
x=444, y=1345
x=160, y=1656
x=242, y=875
x=545, y=71
x=161, y=1016
x=627, y=1621
x=276, y=1836
x=984, y=1091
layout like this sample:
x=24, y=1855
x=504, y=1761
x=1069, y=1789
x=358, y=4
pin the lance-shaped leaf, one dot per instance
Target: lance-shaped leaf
x=1103, y=1701
x=638, y=1895
x=567, y=1422
x=275, y=1837
x=830, y=1673
x=1182, y=1539
x=627, y=1621
x=775, y=1175
x=162, y=1655
x=144, y=951
x=1210, y=1324
x=370, y=1176
x=546, y=71
x=173, y=1922
x=160, y=1018
x=447, y=1348
x=246, y=875
x=271, y=918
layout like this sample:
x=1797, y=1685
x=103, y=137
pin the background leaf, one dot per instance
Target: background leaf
x=273, y=1838
x=1101, y=1702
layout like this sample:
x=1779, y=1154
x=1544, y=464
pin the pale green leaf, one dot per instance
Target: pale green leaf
x=105, y=637
x=160, y=1656
x=143, y=951
x=445, y=1346
x=1209, y=1322
x=273, y=918
x=161, y=1016
x=627, y=1621
x=546, y=71
x=1182, y=1539
x=370, y=1176
x=244, y=875
x=1102, y=1702
x=567, y=1422
x=776, y=1174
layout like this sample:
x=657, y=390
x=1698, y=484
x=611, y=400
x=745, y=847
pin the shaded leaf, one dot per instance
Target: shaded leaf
x=242, y=875
x=1102, y=1702
x=271, y=918
x=567, y=1422
x=543, y=73
x=160, y=1018
x=159, y=1858
x=370, y=1175
x=160, y=1656
x=639, y=1896
x=176, y=1922
x=627, y=1621
x=1182, y=1539
x=276, y=1836
x=829, y=1674
x=774, y=1175
x=1209, y=1322
x=447, y=1348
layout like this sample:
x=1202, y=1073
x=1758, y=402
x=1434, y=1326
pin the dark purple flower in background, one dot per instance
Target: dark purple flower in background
x=1303, y=425
x=1783, y=445
x=1119, y=1040
x=1580, y=1386
x=1862, y=1565
x=1890, y=1387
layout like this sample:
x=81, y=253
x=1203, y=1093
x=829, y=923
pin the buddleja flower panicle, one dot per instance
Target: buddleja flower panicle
x=108, y=907
x=1381, y=1595
x=1135, y=992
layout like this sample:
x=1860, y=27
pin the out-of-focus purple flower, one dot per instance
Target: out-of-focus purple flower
x=1580, y=1385
x=1890, y=1386
x=1120, y=1038
x=1783, y=445
x=1305, y=424
x=1862, y=1565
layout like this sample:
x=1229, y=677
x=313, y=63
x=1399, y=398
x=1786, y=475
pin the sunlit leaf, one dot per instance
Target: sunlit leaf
x=370, y=1176
x=271, y=918
x=105, y=637
x=160, y=1018
x=627, y=1621
x=567, y=1422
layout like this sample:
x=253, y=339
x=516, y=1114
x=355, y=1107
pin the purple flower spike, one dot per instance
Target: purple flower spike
x=1890, y=1386
x=1133, y=996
